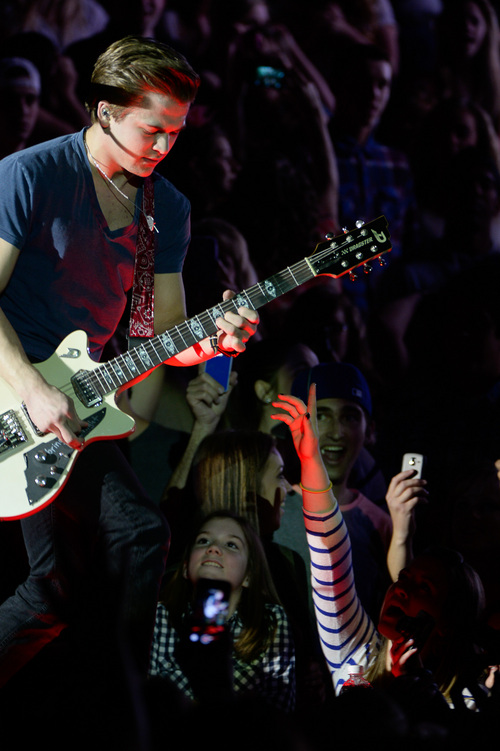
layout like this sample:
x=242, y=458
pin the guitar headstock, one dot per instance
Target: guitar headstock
x=343, y=254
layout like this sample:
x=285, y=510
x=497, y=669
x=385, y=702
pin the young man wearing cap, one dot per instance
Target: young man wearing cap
x=344, y=409
x=74, y=215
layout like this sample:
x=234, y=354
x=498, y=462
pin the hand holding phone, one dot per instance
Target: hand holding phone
x=210, y=611
x=219, y=367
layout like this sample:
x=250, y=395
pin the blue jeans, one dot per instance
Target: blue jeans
x=97, y=555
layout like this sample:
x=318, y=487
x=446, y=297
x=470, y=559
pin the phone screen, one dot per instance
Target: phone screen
x=269, y=77
x=211, y=606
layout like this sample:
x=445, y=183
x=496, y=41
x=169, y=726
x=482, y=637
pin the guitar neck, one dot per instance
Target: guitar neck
x=140, y=360
x=336, y=257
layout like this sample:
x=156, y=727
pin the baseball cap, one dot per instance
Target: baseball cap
x=334, y=380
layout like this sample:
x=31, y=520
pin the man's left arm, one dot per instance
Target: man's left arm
x=235, y=329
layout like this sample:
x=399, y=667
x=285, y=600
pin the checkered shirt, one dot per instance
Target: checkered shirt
x=272, y=674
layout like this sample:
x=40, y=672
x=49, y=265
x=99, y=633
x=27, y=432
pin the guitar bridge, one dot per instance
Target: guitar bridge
x=11, y=432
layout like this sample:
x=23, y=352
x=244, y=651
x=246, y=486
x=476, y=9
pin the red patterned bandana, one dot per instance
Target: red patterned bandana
x=142, y=304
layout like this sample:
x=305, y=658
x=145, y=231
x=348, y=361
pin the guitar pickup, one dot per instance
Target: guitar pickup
x=86, y=391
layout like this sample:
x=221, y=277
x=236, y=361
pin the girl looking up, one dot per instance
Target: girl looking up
x=225, y=547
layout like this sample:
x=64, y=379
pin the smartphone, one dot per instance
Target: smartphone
x=219, y=367
x=210, y=611
x=415, y=462
x=417, y=628
x=269, y=77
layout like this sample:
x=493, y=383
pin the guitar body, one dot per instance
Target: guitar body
x=34, y=468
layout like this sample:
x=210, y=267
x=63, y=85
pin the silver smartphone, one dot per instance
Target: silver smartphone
x=415, y=462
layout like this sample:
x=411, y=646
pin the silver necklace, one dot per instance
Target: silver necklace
x=149, y=219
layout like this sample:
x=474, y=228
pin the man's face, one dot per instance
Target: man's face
x=342, y=433
x=140, y=139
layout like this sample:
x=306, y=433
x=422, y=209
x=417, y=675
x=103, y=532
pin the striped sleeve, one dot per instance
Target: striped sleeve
x=347, y=635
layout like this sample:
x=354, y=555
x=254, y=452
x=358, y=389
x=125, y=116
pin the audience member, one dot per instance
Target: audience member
x=268, y=369
x=346, y=426
x=20, y=92
x=469, y=56
x=60, y=111
x=374, y=179
x=471, y=525
x=205, y=168
x=64, y=21
x=286, y=195
x=141, y=18
x=154, y=449
x=334, y=26
x=329, y=323
x=260, y=652
x=453, y=125
x=471, y=207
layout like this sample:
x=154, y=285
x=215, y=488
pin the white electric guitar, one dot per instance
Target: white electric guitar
x=34, y=467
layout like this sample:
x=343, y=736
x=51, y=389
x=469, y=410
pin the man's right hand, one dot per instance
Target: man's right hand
x=54, y=412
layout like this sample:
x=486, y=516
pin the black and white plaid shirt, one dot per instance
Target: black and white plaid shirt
x=272, y=674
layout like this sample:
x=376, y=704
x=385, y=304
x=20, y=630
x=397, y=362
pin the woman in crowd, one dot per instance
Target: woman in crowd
x=225, y=547
x=469, y=57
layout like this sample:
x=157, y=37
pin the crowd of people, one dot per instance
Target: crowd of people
x=284, y=490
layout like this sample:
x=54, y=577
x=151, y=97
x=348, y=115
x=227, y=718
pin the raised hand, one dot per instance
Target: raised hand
x=317, y=495
x=302, y=422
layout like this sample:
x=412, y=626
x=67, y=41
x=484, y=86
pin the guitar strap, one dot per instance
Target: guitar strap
x=142, y=302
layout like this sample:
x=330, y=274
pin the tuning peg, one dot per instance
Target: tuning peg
x=382, y=261
x=359, y=223
x=345, y=230
x=329, y=236
x=367, y=268
x=353, y=276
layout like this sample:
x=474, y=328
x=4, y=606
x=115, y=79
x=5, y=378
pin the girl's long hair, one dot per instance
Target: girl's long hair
x=226, y=471
x=258, y=621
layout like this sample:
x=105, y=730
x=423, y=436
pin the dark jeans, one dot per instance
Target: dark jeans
x=97, y=556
